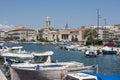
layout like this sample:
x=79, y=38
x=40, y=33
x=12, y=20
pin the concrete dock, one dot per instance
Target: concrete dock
x=2, y=76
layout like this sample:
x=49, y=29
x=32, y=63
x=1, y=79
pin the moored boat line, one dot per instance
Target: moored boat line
x=40, y=67
x=104, y=49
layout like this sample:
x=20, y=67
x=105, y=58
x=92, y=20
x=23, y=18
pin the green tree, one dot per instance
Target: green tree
x=94, y=42
x=90, y=33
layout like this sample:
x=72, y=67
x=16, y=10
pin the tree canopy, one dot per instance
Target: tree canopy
x=90, y=33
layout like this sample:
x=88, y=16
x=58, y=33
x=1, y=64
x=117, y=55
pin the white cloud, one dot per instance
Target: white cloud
x=5, y=27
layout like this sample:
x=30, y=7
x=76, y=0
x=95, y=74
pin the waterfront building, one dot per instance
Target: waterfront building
x=22, y=33
x=115, y=33
x=47, y=33
x=64, y=35
x=103, y=34
x=82, y=31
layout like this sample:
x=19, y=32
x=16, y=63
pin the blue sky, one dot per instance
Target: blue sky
x=32, y=13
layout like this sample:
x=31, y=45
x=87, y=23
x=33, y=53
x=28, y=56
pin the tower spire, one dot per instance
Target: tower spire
x=66, y=26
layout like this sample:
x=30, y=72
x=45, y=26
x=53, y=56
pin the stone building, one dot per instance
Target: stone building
x=65, y=34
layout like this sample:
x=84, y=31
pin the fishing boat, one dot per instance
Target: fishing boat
x=90, y=53
x=50, y=71
x=41, y=67
x=109, y=50
x=13, y=53
x=5, y=51
x=14, y=49
x=27, y=57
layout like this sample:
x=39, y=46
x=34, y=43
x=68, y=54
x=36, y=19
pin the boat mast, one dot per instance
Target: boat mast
x=98, y=16
x=105, y=31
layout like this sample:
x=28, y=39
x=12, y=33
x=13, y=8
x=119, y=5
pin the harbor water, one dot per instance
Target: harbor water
x=108, y=64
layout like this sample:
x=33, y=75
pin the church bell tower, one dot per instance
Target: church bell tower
x=48, y=22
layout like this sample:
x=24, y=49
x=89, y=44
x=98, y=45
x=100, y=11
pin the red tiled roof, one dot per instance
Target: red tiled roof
x=74, y=31
x=19, y=28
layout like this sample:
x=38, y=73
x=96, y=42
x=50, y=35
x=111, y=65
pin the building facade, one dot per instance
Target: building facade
x=65, y=34
x=22, y=33
x=2, y=35
x=115, y=33
x=103, y=34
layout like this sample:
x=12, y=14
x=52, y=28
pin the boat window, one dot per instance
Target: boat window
x=17, y=59
x=14, y=50
x=39, y=59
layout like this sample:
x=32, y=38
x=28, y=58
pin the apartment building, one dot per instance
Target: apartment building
x=115, y=33
x=103, y=34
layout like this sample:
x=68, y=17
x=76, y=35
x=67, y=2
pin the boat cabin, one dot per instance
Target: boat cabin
x=44, y=57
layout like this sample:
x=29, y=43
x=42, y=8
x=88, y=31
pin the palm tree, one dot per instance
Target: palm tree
x=90, y=33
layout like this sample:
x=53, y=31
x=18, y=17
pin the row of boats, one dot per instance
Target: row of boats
x=92, y=50
x=25, y=65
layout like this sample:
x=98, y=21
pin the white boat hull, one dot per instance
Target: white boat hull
x=46, y=74
x=21, y=74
